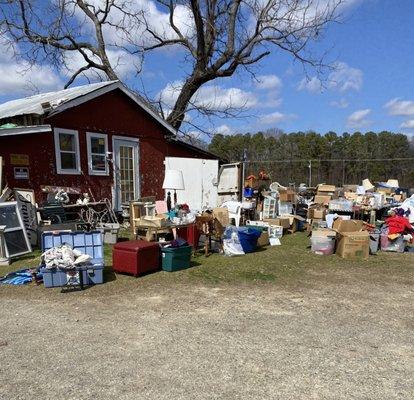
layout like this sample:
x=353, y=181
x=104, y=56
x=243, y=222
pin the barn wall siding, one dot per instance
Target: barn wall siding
x=113, y=114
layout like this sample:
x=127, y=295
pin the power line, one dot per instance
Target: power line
x=307, y=160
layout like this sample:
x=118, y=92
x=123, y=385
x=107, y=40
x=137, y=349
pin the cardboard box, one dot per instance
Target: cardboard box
x=263, y=239
x=350, y=196
x=288, y=195
x=322, y=199
x=156, y=222
x=353, y=245
x=278, y=221
x=352, y=241
x=326, y=190
x=294, y=222
x=347, y=225
x=317, y=212
x=222, y=215
x=324, y=232
x=384, y=190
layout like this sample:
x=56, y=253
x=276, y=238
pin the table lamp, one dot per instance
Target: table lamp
x=173, y=181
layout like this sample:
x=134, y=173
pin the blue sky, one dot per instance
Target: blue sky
x=372, y=87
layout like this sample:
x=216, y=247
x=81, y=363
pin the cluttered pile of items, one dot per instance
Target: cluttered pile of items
x=351, y=221
x=355, y=221
x=23, y=221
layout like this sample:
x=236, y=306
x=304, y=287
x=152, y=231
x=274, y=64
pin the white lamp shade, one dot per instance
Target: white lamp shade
x=393, y=183
x=366, y=183
x=173, y=180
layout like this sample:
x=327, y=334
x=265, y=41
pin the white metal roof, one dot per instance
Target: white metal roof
x=68, y=98
x=33, y=104
x=25, y=130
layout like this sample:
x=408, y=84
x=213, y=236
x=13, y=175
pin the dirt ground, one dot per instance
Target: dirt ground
x=342, y=334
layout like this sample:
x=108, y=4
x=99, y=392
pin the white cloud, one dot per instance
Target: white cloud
x=340, y=104
x=266, y=82
x=210, y=96
x=345, y=78
x=400, y=107
x=313, y=85
x=275, y=118
x=224, y=130
x=358, y=119
x=124, y=63
x=133, y=30
x=22, y=78
x=342, y=79
x=407, y=124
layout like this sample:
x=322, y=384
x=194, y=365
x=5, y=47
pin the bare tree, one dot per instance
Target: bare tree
x=231, y=34
x=58, y=31
x=218, y=37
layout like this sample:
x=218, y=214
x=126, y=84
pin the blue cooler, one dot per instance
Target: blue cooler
x=88, y=243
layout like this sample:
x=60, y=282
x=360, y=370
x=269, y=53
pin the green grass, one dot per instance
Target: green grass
x=289, y=265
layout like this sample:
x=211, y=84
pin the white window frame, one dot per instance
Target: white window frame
x=89, y=136
x=59, y=169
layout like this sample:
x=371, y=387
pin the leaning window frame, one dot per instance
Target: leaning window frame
x=59, y=169
x=89, y=136
x=21, y=228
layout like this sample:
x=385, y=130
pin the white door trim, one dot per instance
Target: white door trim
x=137, y=189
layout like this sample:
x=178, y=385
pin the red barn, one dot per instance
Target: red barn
x=99, y=139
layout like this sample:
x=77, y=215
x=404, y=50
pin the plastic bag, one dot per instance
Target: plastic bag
x=231, y=242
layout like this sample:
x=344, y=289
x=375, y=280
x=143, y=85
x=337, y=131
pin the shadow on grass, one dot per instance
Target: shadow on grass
x=27, y=257
x=109, y=274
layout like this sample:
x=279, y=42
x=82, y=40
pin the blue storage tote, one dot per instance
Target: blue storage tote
x=248, y=238
x=88, y=243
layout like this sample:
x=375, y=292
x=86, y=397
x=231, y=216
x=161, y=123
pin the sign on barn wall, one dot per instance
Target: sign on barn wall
x=19, y=159
x=21, y=173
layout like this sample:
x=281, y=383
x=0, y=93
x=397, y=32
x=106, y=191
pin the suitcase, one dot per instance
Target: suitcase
x=136, y=257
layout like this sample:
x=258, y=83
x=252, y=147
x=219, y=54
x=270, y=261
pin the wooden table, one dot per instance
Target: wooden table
x=151, y=232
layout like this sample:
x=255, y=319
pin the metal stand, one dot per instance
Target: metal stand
x=4, y=260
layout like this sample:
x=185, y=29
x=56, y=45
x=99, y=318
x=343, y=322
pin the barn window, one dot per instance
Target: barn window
x=67, y=151
x=97, y=149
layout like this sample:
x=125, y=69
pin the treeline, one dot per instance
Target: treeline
x=278, y=153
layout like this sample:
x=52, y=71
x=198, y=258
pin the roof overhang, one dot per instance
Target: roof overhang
x=194, y=148
x=24, y=130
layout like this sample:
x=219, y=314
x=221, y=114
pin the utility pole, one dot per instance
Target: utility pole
x=310, y=173
x=243, y=172
x=343, y=173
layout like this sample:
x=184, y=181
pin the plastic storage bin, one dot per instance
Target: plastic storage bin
x=88, y=243
x=285, y=208
x=396, y=245
x=322, y=245
x=110, y=232
x=136, y=257
x=248, y=238
x=374, y=242
x=176, y=258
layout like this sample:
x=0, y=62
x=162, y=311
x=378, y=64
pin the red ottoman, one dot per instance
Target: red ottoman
x=136, y=257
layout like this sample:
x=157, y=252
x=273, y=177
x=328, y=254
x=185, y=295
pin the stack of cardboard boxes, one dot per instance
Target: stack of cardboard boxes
x=318, y=210
x=352, y=241
x=324, y=194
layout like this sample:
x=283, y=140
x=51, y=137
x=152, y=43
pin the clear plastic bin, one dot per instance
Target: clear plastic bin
x=323, y=245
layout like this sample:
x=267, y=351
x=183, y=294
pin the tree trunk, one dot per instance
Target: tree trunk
x=190, y=87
